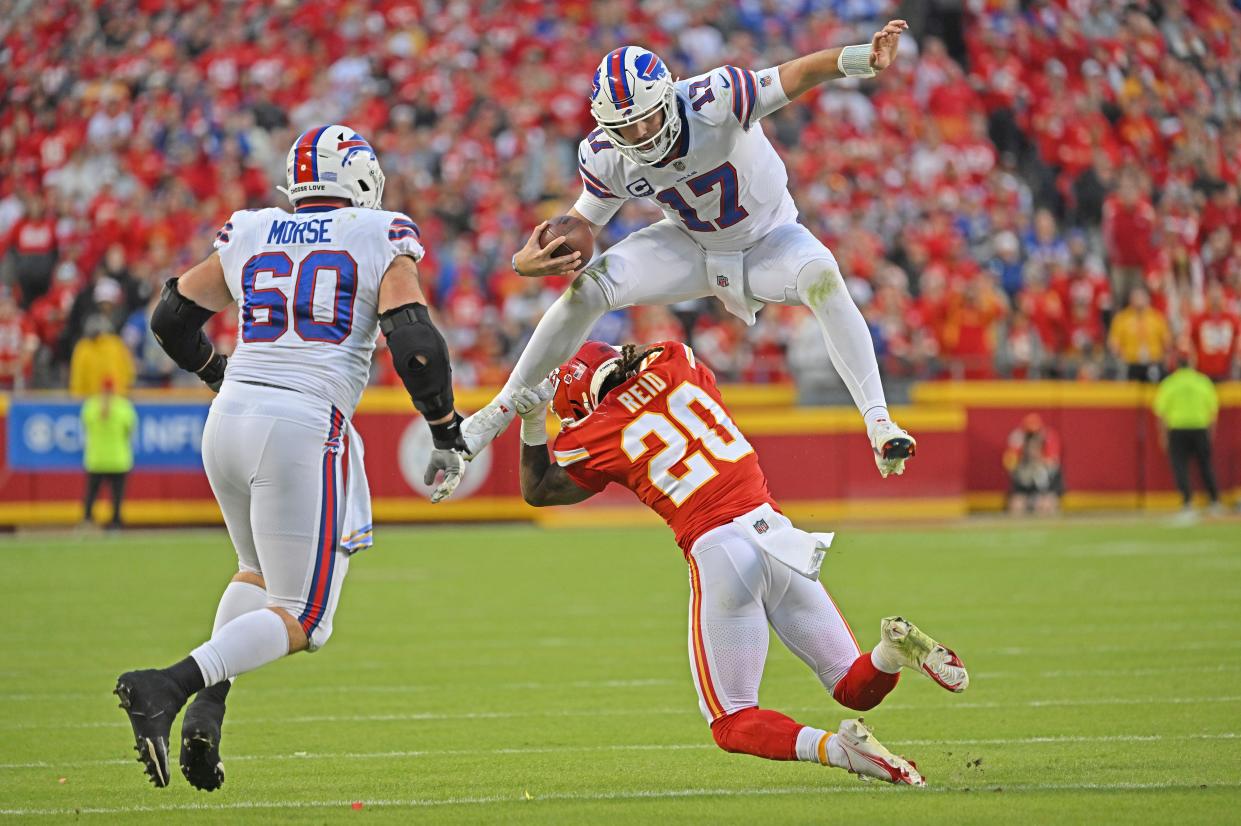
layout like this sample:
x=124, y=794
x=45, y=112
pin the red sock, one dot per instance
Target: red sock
x=758, y=731
x=863, y=687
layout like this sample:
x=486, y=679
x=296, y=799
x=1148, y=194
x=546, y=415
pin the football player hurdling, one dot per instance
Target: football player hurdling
x=730, y=229
x=315, y=287
x=652, y=420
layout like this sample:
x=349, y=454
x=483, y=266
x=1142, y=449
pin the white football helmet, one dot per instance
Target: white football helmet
x=334, y=162
x=632, y=84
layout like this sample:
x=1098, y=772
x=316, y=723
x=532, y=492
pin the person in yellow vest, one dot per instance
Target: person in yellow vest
x=108, y=423
x=1140, y=337
x=100, y=354
x=1187, y=406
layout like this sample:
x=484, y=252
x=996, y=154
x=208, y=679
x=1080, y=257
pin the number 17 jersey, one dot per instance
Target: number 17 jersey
x=666, y=436
x=307, y=286
x=722, y=182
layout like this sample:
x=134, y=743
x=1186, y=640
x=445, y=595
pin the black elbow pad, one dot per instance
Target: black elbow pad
x=177, y=324
x=420, y=356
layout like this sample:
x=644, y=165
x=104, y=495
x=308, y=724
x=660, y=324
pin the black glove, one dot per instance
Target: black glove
x=212, y=373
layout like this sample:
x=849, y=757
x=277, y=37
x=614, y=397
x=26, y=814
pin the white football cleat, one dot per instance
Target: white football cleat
x=854, y=748
x=902, y=642
x=892, y=446
x=485, y=426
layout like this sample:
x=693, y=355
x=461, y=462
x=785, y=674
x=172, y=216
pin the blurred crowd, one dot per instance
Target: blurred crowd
x=1046, y=188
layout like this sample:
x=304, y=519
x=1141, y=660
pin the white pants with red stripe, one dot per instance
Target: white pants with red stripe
x=278, y=464
x=736, y=591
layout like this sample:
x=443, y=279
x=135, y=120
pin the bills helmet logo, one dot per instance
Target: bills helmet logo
x=354, y=145
x=761, y=527
x=649, y=67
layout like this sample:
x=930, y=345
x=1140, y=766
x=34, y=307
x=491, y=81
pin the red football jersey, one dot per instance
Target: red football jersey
x=666, y=436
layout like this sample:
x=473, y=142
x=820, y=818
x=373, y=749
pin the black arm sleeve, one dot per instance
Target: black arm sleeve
x=420, y=356
x=177, y=324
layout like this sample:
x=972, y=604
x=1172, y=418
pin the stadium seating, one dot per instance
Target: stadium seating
x=992, y=199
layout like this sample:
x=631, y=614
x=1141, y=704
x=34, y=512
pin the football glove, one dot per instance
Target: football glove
x=447, y=455
x=531, y=405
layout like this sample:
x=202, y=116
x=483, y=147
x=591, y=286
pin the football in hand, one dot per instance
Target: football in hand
x=577, y=238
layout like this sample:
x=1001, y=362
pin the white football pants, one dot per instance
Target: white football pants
x=661, y=264
x=277, y=461
x=736, y=590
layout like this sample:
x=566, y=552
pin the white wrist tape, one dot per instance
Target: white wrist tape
x=854, y=61
x=534, y=430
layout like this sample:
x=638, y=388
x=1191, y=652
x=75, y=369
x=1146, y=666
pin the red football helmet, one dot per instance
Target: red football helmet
x=578, y=380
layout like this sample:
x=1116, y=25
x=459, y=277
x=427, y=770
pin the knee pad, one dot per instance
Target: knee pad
x=819, y=282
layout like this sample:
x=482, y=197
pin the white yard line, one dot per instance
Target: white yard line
x=389, y=755
x=638, y=794
x=410, y=688
x=432, y=716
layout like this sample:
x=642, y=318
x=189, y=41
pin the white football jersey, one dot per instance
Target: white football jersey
x=307, y=284
x=723, y=182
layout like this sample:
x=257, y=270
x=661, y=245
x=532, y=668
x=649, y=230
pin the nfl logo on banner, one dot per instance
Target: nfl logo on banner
x=760, y=526
x=722, y=280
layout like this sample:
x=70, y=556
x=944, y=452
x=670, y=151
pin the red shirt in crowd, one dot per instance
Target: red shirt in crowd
x=1214, y=336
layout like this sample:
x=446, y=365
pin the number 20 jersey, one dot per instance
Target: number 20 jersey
x=723, y=182
x=307, y=285
x=666, y=436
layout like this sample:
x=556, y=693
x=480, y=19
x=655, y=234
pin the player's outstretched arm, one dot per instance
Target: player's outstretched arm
x=185, y=305
x=420, y=356
x=802, y=74
x=543, y=483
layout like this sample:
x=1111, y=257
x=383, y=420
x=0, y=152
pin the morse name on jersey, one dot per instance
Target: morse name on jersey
x=317, y=231
x=634, y=399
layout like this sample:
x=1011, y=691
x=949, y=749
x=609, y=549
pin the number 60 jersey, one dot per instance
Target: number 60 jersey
x=723, y=180
x=666, y=436
x=308, y=288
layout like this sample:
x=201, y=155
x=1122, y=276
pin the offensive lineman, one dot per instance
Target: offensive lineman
x=730, y=226
x=284, y=462
x=652, y=420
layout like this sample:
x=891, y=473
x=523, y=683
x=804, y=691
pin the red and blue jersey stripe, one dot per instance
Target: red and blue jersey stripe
x=593, y=185
x=745, y=93
x=328, y=535
x=401, y=228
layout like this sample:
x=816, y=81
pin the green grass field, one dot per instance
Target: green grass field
x=517, y=675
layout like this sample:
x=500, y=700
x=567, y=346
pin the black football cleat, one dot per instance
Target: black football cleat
x=151, y=699
x=200, y=739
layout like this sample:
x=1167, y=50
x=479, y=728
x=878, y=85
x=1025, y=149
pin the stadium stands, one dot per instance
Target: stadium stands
x=993, y=199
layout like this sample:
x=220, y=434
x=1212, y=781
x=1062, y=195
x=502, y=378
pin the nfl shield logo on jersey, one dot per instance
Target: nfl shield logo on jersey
x=721, y=280
x=760, y=527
